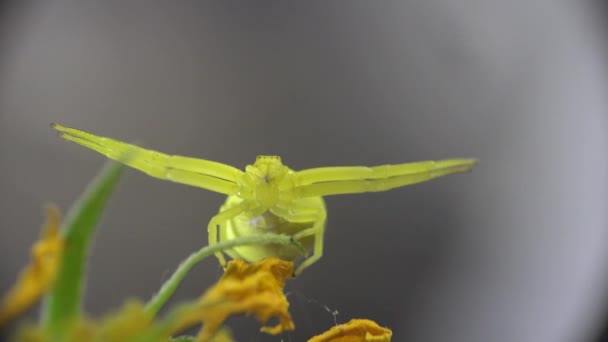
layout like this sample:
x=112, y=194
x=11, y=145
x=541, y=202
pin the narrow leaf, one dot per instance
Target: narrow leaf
x=63, y=303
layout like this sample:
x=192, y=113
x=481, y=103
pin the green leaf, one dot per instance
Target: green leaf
x=63, y=302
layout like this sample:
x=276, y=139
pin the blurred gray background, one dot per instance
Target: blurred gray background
x=514, y=251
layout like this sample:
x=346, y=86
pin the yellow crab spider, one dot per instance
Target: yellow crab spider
x=268, y=196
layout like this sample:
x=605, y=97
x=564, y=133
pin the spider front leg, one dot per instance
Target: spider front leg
x=218, y=221
x=317, y=230
x=318, y=216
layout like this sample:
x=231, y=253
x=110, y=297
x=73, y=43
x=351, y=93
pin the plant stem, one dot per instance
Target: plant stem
x=169, y=287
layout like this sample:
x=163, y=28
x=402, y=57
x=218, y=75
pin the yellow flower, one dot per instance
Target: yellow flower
x=357, y=330
x=252, y=289
x=83, y=330
x=127, y=324
x=39, y=275
x=131, y=323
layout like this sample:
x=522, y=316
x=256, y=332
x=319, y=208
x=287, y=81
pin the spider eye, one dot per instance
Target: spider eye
x=264, y=157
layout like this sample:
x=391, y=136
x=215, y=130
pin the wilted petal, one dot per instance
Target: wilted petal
x=357, y=330
x=126, y=324
x=39, y=275
x=130, y=323
x=252, y=289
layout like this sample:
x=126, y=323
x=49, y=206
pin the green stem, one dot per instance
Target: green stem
x=169, y=287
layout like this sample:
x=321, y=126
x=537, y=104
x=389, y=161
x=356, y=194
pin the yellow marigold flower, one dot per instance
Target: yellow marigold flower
x=126, y=324
x=357, y=330
x=252, y=289
x=83, y=330
x=39, y=275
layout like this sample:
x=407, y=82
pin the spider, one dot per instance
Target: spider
x=268, y=196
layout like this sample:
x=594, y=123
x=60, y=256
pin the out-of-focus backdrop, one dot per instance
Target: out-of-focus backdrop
x=514, y=251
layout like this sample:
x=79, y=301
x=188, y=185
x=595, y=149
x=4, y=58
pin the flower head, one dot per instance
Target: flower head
x=39, y=275
x=253, y=289
x=356, y=330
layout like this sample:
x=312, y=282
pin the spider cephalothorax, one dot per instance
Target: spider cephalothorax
x=265, y=182
x=268, y=196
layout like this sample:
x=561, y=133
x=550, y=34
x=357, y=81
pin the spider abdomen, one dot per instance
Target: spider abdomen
x=248, y=224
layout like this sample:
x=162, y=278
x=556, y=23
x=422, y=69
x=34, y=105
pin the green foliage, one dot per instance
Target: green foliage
x=64, y=301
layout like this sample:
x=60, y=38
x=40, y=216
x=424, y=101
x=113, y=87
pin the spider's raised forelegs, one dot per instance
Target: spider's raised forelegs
x=358, y=179
x=197, y=172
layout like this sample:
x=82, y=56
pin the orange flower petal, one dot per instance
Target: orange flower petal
x=357, y=330
x=39, y=275
x=252, y=289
